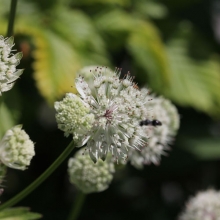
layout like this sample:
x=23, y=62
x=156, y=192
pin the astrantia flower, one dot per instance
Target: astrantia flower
x=16, y=148
x=87, y=176
x=159, y=136
x=8, y=63
x=117, y=108
x=204, y=206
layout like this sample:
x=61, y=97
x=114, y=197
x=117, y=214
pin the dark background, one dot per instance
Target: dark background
x=154, y=193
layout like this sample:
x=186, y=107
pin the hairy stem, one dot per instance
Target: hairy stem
x=40, y=179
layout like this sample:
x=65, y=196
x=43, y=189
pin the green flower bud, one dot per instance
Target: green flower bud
x=87, y=176
x=16, y=148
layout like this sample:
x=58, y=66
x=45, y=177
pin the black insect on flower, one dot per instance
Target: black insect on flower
x=150, y=122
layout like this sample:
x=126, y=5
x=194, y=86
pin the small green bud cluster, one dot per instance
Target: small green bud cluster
x=87, y=176
x=16, y=148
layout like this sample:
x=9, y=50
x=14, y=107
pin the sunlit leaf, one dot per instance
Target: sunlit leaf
x=147, y=49
x=150, y=9
x=78, y=29
x=55, y=63
x=193, y=83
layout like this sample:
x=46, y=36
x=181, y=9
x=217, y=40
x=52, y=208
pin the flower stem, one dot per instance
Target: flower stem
x=40, y=179
x=11, y=17
x=78, y=203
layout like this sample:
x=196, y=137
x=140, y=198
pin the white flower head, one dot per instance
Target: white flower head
x=159, y=136
x=204, y=206
x=117, y=108
x=8, y=63
x=87, y=176
x=16, y=148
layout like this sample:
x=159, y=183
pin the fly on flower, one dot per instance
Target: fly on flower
x=105, y=114
x=151, y=122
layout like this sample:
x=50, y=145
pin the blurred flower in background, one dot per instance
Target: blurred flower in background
x=205, y=205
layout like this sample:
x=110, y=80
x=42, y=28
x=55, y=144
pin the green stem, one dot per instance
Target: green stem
x=78, y=203
x=11, y=17
x=40, y=179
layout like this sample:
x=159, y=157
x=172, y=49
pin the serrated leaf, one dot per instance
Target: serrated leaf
x=55, y=65
x=56, y=62
x=20, y=213
x=193, y=83
x=147, y=49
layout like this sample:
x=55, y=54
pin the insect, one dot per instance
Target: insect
x=150, y=122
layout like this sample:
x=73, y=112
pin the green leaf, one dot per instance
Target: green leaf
x=148, y=51
x=56, y=62
x=204, y=149
x=115, y=26
x=114, y=21
x=193, y=83
x=20, y=213
x=77, y=28
x=150, y=9
x=7, y=120
x=55, y=65
x=104, y=2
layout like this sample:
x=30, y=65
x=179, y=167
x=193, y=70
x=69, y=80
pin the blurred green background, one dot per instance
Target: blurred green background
x=170, y=46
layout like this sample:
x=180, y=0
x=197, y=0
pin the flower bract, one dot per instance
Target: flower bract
x=8, y=63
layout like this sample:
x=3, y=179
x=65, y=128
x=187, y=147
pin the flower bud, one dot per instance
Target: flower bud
x=87, y=176
x=16, y=148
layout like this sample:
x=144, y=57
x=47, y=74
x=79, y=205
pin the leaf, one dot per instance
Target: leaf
x=193, y=83
x=204, y=149
x=20, y=213
x=104, y=2
x=148, y=51
x=115, y=26
x=150, y=9
x=7, y=120
x=77, y=28
x=55, y=65
x=114, y=21
x=56, y=62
